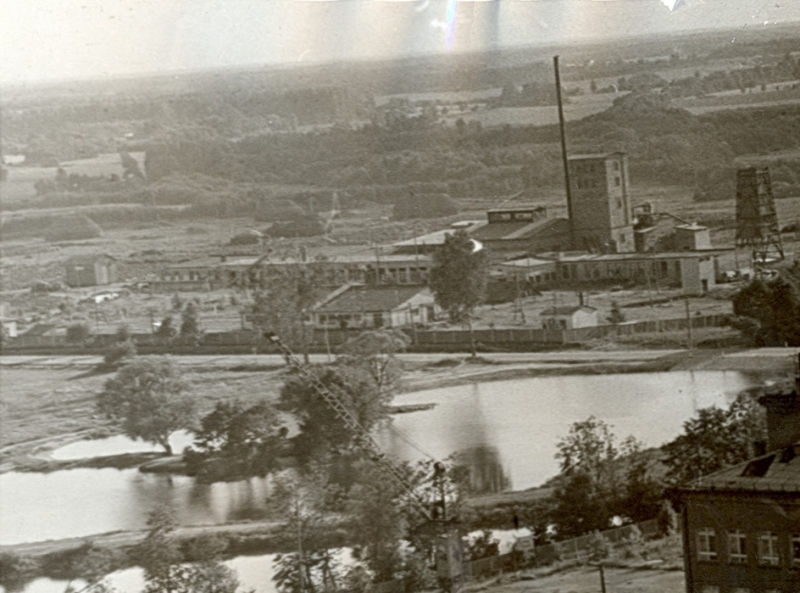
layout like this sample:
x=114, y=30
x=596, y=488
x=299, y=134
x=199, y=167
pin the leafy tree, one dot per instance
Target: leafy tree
x=165, y=570
x=190, y=328
x=616, y=316
x=715, y=439
x=166, y=332
x=149, y=397
x=458, y=278
x=590, y=449
x=123, y=333
x=177, y=302
x=375, y=351
x=284, y=299
x=91, y=564
x=377, y=523
x=320, y=427
x=118, y=353
x=78, y=333
x=774, y=307
x=609, y=479
x=248, y=440
x=16, y=571
x=303, y=499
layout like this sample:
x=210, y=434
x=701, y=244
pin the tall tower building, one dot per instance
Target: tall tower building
x=600, y=209
x=756, y=218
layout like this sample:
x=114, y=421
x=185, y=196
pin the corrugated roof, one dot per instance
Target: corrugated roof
x=370, y=299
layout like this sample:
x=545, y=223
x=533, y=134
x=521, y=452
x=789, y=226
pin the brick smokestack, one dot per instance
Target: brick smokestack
x=783, y=416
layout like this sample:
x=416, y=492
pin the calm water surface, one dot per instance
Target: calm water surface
x=505, y=431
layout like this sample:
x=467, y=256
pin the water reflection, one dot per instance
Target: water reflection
x=486, y=472
x=506, y=432
x=79, y=502
x=521, y=420
x=254, y=572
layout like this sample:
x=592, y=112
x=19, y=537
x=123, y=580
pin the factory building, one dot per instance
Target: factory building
x=599, y=203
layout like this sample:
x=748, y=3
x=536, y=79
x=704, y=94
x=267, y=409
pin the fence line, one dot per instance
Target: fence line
x=577, y=548
x=422, y=339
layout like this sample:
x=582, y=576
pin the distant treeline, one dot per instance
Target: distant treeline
x=665, y=144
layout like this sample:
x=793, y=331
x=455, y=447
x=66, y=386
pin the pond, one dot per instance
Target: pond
x=506, y=431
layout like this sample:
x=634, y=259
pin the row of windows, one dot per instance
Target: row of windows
x=608, y=270
x=768, y=548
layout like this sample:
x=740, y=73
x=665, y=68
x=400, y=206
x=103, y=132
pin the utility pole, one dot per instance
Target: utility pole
x=602, y=580
x=564, y=157
x=688, y=323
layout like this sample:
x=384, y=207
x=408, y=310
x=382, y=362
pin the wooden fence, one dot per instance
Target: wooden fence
x=427, y=340
x=579, y=548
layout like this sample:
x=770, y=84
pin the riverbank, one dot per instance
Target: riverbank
x=48, y=402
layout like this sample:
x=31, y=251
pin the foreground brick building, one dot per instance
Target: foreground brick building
x=741, y=525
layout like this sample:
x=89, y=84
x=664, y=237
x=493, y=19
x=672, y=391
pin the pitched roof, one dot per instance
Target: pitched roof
x=776, y=471
x=87, y=260
x=520, y=230
x=567, y=310
x=528, y=262
x=41, y=329
x=370, y=299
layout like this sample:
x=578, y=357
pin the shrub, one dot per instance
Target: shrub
x=119, y=352
x=78, y=333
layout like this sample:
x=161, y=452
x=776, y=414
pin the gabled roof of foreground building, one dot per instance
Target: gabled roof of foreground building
x=776, y=471
x=370, y=299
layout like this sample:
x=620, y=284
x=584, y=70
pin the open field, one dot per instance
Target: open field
x=21, y=178
x=576, y=108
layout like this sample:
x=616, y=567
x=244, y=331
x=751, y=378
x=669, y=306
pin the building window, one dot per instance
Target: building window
x=616, y=165
x=619, y=204
x=706, y=544
x=737, y=547
x=616, y=181
x=768, y=549
x=621, y=238
x=796, y=550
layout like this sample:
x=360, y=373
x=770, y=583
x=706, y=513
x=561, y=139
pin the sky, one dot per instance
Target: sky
x=66, y=39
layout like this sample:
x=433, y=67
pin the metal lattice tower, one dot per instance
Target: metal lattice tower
x=756, y=219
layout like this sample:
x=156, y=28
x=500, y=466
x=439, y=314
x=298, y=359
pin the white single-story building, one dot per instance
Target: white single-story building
x=569, y=317
x=370, y=307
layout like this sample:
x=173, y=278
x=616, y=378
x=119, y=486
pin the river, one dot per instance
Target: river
x=506, y=431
